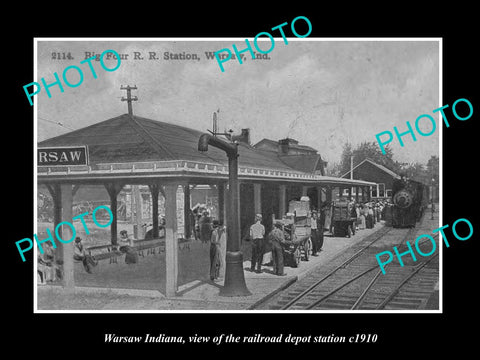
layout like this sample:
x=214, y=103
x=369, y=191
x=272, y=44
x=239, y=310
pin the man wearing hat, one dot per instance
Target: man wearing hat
x=276, y=238
x=257, y=233
x=80, y=255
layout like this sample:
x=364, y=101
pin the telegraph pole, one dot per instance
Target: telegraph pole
x=129, y=98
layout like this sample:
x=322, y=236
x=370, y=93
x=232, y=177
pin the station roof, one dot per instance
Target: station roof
x=127, y=146
x=137, y=139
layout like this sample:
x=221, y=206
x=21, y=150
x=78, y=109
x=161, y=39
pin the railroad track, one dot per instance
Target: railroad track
x=355, y=281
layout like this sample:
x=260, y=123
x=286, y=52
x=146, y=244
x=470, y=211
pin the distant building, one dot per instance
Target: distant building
x=369, y=170
x=300, y=157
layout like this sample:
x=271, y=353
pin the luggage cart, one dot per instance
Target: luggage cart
x=297, y=232
x=342, y=221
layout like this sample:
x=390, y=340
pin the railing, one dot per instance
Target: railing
x=185, y=166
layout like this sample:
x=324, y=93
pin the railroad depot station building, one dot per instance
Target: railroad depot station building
x=369, y=170
x=130, y=151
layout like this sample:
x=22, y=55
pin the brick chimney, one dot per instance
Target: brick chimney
x=284, y=145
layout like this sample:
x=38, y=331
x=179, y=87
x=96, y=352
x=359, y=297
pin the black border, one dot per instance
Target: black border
x=404, y=333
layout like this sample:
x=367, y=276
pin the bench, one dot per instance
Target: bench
x=184, y=243
x=150, y=245
x=112, y=252
x=98, y=252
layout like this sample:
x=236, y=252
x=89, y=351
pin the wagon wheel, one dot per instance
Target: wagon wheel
x=297, y=256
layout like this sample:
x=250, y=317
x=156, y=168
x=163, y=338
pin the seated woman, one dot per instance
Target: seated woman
x=126, y=246
x=80, y=255
x=46, y=267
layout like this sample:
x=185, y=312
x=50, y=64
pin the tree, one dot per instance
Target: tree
x=415, y=171
x=433, y=168
x=366, y=150
x=347, y=152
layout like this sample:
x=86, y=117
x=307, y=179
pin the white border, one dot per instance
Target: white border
x=440, y=209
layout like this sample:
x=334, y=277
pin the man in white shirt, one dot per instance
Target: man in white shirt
x=257, y=234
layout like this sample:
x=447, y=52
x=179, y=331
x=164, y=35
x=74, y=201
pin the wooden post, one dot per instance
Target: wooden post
x=350, y=193
x=171, y=242
x=319, y=197
x=186, y=211
x=304, y=190
x=154, y=190
x=329, y=193
x=356, y=194
x=56, y=194
x=113, y=190
x=67, y=233
x=137, y=196
x=282, y=201
x=257, y=198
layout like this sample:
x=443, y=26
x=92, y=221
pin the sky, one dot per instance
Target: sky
x=321, y=93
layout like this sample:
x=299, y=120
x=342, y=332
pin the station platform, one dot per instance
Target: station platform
x=122, y=287
x=117, y=287
x=266, y=284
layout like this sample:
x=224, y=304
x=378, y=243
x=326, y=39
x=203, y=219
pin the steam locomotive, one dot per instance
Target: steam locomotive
x=409, y=199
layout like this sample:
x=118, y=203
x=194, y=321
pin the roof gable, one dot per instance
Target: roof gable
x=381, y=167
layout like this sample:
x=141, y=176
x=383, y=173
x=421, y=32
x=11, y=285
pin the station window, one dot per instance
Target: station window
x=374, y=191
x=381, y=190
x=389, y=192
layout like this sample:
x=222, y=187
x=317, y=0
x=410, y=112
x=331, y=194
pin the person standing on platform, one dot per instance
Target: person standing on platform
x=369, y=217
x=277, y=239
x=217, y=253
x=328, y=217
x=357, y=214
x=257, y=234
x=314, y=232
x=353, y=215
x=363, y=221
x=205, y=225
x=321, y=226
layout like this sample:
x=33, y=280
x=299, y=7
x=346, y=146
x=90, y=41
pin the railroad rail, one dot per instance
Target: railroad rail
x=402, y=287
